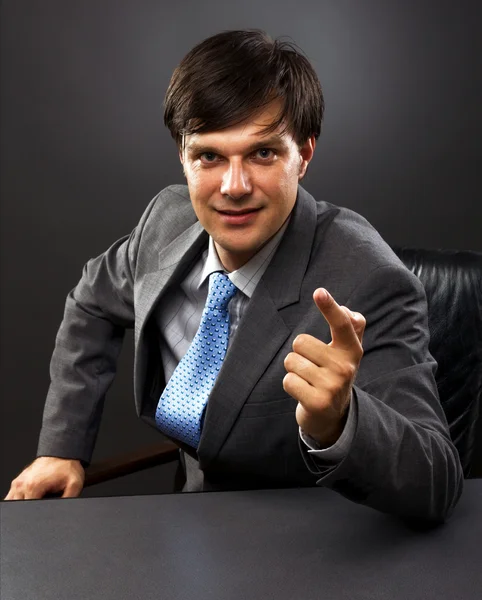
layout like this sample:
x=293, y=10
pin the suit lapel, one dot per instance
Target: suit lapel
x=173, y=262
x=262, y=331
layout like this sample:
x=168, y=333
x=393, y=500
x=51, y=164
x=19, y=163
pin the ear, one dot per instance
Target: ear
x=306, y=154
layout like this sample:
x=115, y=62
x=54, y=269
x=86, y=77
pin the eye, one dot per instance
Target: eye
x=208, y=157
x=265, y=153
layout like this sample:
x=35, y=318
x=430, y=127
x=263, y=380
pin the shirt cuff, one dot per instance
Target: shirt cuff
x=336, y=453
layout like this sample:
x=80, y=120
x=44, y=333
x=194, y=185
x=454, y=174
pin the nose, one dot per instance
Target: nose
x=236, y=182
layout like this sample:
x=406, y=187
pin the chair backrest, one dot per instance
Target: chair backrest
x=453, y=285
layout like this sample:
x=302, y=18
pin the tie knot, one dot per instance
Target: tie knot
x=221, y=290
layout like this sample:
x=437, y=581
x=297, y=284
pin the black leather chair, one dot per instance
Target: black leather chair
x=453, y=284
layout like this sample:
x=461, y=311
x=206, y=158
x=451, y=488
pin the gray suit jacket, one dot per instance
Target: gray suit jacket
x=401, y=459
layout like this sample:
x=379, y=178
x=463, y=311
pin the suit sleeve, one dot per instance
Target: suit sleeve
x=97, y=313
x=401, y=459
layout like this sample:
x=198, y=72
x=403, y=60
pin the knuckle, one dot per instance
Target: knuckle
x=78, y=487
x=289, y=360
x=332, y=387
x=288, y=381
x=76, y=481
x=300, y=341
x=29, y=487
x=347, y=370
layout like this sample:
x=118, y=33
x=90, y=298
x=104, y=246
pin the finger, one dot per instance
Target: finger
x=311, y=348
x=39, y=489
x=14, y=495
x=35, y=493
x=342, y=331
x=358, y=321
x=303, y=367
x=72, y=490
x=296, y=386
x=302, y=392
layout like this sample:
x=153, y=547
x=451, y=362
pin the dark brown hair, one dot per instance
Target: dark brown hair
x=230, y=76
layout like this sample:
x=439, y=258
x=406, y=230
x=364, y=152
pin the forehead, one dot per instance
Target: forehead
x=244, y=135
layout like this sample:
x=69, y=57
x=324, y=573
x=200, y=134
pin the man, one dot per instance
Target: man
x=238, y=288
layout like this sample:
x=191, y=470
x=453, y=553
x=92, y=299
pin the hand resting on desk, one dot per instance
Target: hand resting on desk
x=48, y=475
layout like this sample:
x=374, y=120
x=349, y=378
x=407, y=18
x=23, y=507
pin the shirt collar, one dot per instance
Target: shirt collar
x=245, y=278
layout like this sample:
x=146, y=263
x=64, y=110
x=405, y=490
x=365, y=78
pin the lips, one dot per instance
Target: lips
x=242, y=211
x=238, y=217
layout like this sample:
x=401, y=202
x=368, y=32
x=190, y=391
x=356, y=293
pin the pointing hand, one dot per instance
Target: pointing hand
x=320, y=376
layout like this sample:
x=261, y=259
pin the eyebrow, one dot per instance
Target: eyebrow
x=274, y=140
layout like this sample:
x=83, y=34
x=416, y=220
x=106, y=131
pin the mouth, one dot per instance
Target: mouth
x=241, y=211
x=238, y=217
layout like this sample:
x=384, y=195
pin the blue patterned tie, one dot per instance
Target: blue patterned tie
x=180, y=409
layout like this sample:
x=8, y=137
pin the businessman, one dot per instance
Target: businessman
x=278, y=339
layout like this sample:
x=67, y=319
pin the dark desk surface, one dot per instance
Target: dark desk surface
x=280, y=544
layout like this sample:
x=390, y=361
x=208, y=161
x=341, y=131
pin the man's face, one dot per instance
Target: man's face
x=243, y=184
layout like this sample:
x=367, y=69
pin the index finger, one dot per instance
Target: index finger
x=343, y=333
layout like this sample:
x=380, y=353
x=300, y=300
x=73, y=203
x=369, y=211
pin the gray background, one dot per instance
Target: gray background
x=83, y=150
